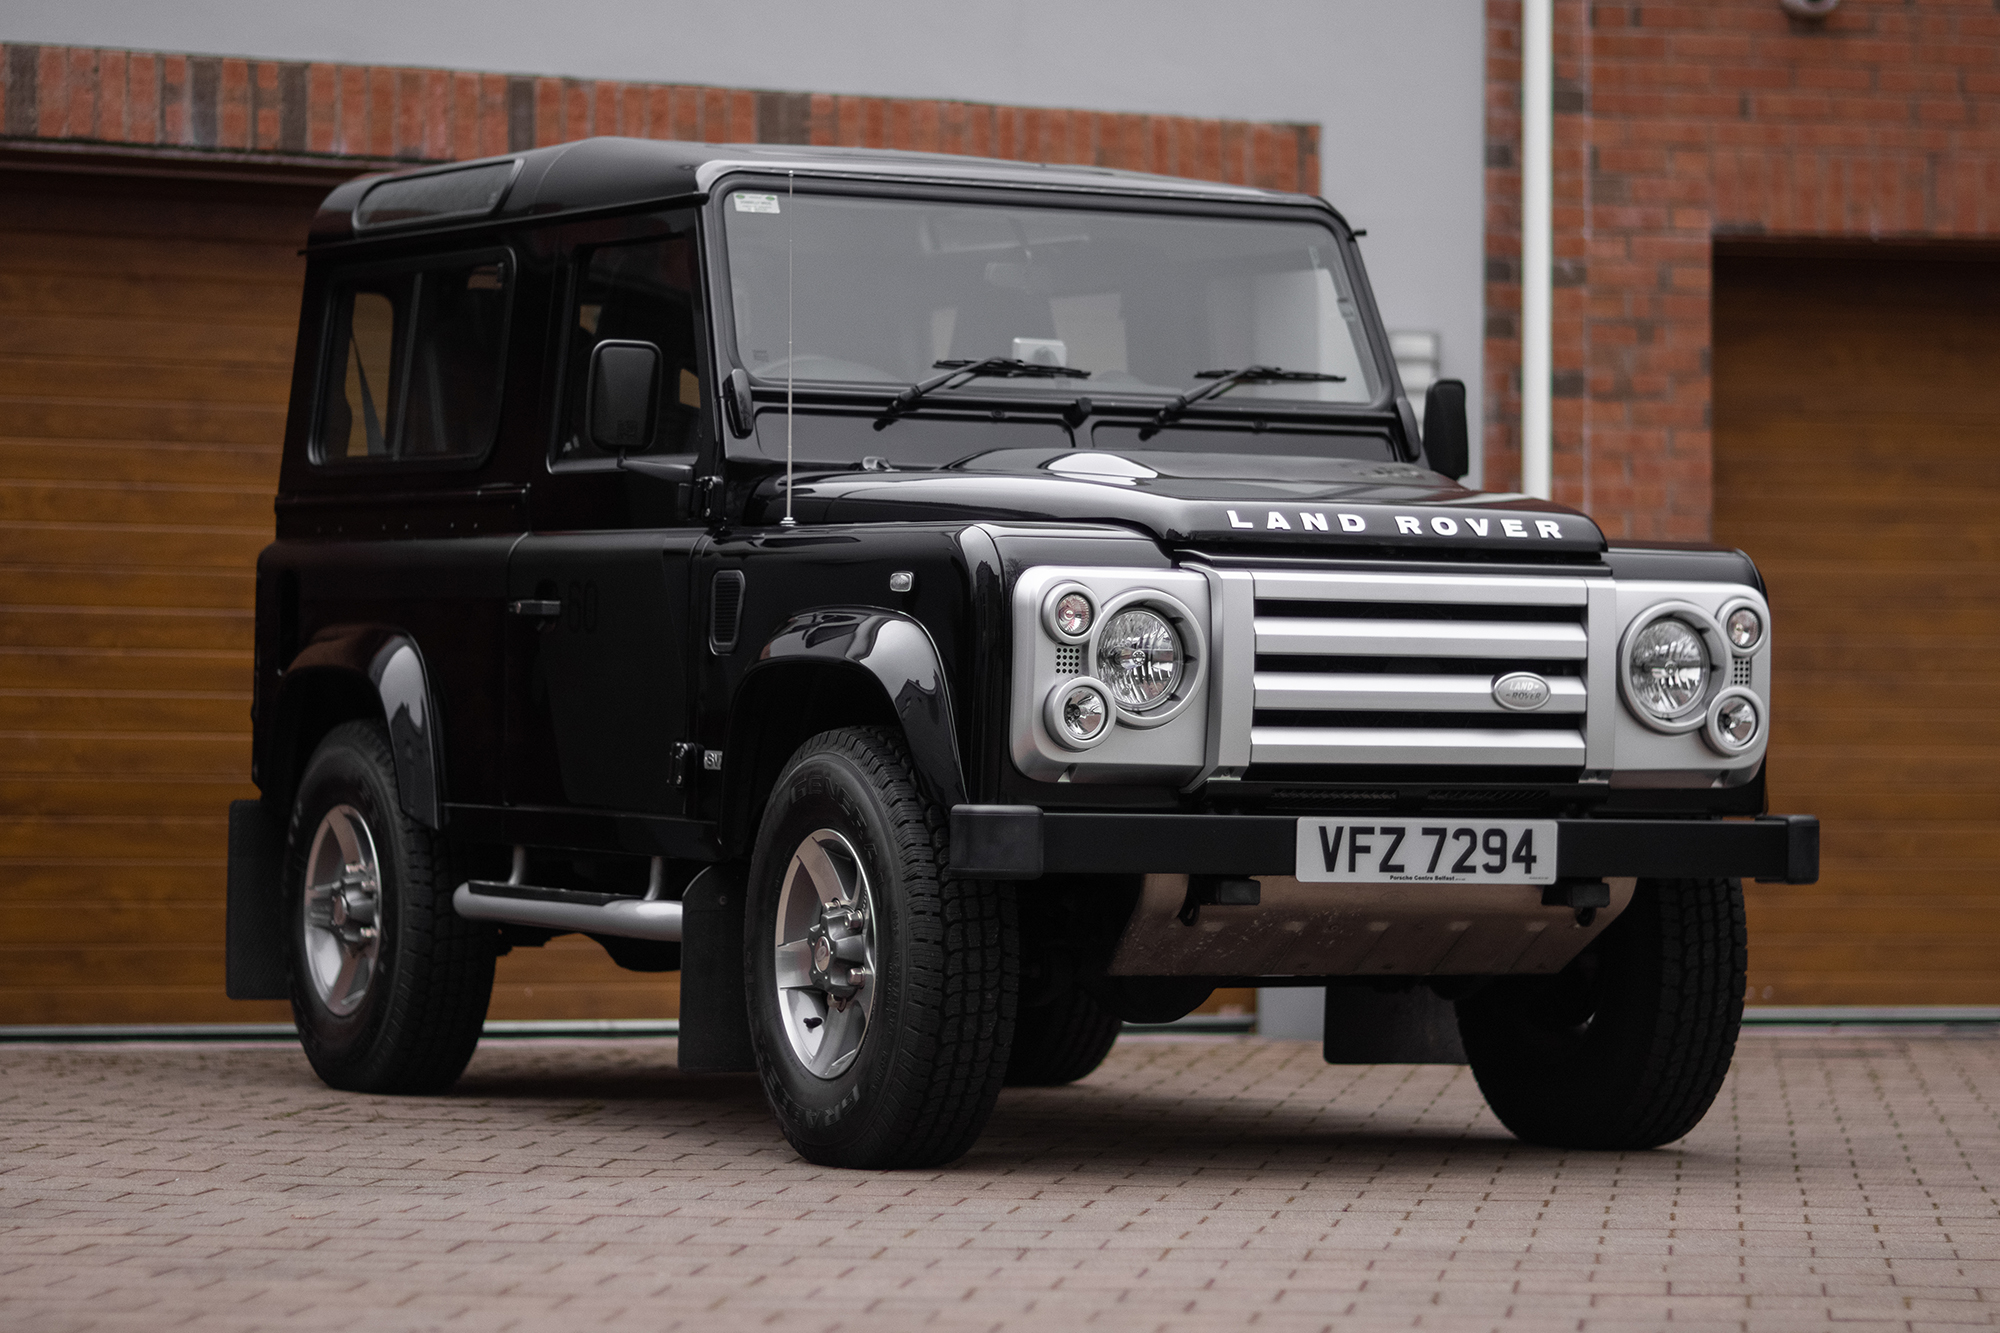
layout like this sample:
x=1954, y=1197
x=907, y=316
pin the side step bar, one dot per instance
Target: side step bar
x=568, y=909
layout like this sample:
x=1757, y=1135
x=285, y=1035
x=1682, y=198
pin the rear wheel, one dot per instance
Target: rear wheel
x=881, y=986
x=1627, y=1047
x=1060, y=1041
x=389, y=984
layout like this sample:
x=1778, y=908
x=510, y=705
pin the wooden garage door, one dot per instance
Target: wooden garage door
x=1857, y=457
x=146, y=334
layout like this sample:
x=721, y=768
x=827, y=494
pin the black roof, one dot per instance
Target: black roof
x=610, y=172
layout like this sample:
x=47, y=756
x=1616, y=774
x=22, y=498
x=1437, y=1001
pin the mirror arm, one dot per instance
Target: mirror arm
x=653, y=467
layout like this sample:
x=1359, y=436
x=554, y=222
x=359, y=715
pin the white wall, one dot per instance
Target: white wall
x=1397, y=86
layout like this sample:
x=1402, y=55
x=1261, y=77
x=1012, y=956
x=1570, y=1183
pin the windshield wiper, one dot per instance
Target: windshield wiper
x=958, y=372
x=1225, y=380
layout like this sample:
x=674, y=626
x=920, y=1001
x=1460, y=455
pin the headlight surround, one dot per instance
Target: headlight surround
x=1140, y=656
x=1672, y=661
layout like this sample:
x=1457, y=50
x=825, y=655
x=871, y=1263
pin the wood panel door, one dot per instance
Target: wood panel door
x=1857, y=458
x=146, y=340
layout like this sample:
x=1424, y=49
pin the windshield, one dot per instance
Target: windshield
x=882, y=291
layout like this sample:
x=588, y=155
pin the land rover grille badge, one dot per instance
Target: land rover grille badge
x=1521, y=691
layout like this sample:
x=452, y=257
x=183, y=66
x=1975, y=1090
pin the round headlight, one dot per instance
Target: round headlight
x=1139, y=656
x=1078, y=713
x=1667, y=668
x=1744, y=627
x=1735, y=721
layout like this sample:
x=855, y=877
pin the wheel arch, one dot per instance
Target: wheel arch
x=837, y=667
x=353, y=673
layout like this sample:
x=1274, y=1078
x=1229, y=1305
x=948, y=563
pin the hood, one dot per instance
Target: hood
x=1206, y=500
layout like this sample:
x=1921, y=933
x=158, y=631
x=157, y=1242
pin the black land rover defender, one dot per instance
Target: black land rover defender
x=946, y=608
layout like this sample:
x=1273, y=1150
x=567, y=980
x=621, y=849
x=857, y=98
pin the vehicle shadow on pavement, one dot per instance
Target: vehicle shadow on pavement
x=1104, y=1123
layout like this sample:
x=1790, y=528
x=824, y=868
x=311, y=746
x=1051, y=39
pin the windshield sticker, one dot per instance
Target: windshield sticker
x=755, y=203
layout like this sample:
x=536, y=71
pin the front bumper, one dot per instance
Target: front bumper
x=1025, y=842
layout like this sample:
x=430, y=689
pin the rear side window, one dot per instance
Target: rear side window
x=417, y=360
x=642, y=291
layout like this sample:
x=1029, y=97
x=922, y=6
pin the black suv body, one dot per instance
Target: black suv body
x=947, y=608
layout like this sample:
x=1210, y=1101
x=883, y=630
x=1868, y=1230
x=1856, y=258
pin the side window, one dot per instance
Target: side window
x=418, y=357
x=642, y=291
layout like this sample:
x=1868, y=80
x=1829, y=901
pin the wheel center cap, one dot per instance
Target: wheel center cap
x=822, y=953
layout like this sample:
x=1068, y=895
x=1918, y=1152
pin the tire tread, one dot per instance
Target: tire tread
x=961, y=981
x=442, y=979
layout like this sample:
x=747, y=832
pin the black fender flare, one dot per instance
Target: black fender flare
x=897, y=654
x=387, y=664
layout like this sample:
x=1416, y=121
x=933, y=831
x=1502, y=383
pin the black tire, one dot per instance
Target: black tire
x=1061, y=1041
x=940, y=1018
x=1627, y=1047
x=414, y=1023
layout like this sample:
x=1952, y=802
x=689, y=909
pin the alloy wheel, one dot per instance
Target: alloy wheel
x=343, y=910
x=825, y=952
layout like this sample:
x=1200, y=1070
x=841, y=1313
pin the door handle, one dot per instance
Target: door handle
x=539, y=609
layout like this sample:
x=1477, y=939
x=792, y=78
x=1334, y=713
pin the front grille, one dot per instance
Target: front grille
x=1413, y=798
x=1376, y=669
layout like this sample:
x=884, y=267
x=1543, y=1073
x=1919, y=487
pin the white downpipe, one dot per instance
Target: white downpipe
x=1537, y=243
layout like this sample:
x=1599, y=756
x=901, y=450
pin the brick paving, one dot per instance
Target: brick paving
x=1841, y=1181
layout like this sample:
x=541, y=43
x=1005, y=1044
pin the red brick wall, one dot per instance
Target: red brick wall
x=1678, y=123
x=237, y=106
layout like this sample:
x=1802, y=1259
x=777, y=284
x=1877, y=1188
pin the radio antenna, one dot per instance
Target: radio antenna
x=791, y=222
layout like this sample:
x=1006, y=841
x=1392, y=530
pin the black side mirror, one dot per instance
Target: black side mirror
x=1447, y=442
x=737, y=402
x=624, y=400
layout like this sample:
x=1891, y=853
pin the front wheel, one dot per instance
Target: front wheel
x=1626, y=1047
x=881, y=987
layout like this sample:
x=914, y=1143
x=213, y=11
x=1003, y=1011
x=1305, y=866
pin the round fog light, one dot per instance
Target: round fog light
x=1745, y=628
x=1073, y=614
x=1069, y=612
x=1735, y=721
x=1078, y=713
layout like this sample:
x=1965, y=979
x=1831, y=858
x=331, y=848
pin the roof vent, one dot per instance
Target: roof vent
x=436, y=196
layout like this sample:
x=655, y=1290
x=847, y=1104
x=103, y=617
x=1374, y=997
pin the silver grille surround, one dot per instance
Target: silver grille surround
x=1547, y=631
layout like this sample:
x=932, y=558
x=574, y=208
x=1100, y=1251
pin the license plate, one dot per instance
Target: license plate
x=1427, y=851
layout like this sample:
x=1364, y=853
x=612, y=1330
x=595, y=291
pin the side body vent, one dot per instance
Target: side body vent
x=725, y=610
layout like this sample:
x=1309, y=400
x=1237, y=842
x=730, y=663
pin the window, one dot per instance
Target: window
x=640, y=291
x=884, y=291
x=418, y=357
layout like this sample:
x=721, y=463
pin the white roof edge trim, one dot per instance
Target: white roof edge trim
x=1055, y=179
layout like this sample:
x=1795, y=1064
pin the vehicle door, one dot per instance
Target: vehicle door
x=598, y=593
x=405, y=520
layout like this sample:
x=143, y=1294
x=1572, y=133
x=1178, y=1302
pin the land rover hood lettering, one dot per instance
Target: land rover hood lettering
x=1406, y=525
x=1210, y=511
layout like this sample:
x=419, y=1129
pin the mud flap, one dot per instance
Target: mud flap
x=715, y=1015
x=255, y=921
